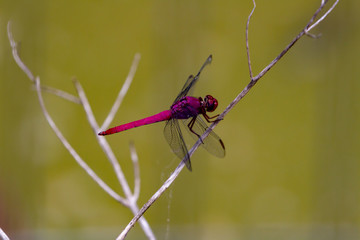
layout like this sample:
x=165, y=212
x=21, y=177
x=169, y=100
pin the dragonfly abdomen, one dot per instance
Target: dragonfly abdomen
x=162, y=116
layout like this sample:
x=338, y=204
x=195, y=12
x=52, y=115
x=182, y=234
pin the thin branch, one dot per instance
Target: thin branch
x=247, y=39
x=122, y=92
x=15, y=54
x=242, y=94
x=135, y=161
x=315, y=36
x=72, y=151
x=61, y=94
x=3, y=235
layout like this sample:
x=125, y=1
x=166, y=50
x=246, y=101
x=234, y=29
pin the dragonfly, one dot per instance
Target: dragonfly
x=190, y=111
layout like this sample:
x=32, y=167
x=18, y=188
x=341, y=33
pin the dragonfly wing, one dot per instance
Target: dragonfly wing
x=186, y=88
x=190, y=82
x=213, y=143
x=176, y=141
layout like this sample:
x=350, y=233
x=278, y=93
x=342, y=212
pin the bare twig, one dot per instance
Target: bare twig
x=61, y=94
x=242, y=94
x=135, y=160
x=122, y=92
x=15, y=53
x=3, y=235
x=315, y=36
x=247, y=39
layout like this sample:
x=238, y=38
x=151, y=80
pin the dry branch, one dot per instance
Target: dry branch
x=253, y=81
x=130, y=199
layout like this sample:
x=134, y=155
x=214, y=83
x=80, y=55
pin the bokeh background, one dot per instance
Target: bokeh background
x=292, y=166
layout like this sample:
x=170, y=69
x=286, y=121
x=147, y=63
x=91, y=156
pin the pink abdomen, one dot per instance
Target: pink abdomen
x=162, y=116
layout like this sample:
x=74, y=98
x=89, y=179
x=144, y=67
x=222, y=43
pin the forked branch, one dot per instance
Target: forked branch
x=253, y=81
x=130, y=199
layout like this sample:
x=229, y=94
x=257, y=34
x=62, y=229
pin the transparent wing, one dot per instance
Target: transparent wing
x=213, y=143
x=186, y=88
x=190, y=82
x=176, y=141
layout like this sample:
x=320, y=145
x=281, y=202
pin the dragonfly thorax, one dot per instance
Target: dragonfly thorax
x=187, y=107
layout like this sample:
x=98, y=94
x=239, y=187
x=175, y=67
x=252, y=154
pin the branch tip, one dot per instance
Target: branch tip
x=123, y=91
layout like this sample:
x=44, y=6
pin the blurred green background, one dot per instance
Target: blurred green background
x=292, y=164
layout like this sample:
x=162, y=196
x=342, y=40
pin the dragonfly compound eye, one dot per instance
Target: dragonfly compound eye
x=210, y=103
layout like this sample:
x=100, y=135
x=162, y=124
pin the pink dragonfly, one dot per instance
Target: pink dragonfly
x=188, y=110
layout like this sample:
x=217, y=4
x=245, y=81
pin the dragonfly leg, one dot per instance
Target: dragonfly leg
x=207, y=118
x=190, y=126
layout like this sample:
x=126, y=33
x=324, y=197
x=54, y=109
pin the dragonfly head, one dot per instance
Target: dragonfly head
x=210, y=103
